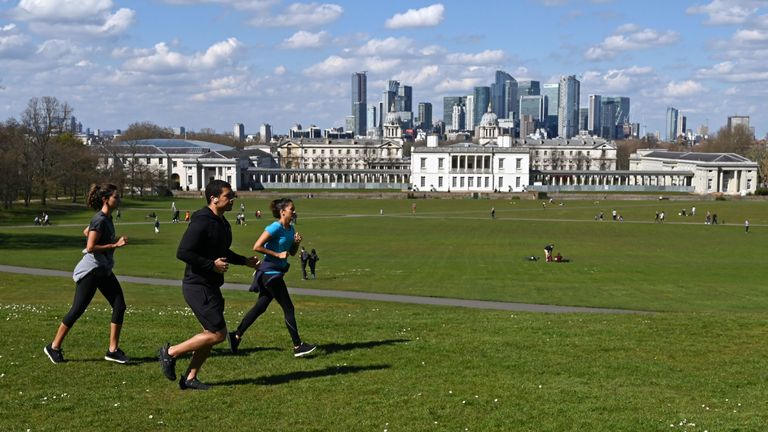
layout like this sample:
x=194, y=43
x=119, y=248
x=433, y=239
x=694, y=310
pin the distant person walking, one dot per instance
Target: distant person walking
x=548, y=252
x=413, y=208
x=313, y=259
x=746, y=225
x=278, y=240
x=205, y=248
x=157, y=225
x=304, y=257
x=94, y=271
x=493, y=212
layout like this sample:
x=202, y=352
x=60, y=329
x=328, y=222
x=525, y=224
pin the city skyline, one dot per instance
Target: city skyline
x=265, y=61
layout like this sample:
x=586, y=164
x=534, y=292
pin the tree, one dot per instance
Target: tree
x=144, y=130
x=43, y=119
x=76, y=166
x=738, y=140
x=11, y=161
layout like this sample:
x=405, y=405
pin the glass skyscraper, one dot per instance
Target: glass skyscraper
x=568, y=111
x=482, y=99
x=551, y=92
x=448, y=103
x=359, y=103
x=425, y=115
x=501, y=90
x=672, y=115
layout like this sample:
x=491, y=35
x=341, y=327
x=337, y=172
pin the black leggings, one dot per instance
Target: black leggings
x=275, y=289
x=86, y=289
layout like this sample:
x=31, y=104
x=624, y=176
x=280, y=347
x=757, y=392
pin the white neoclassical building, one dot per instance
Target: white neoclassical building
x=469, y=167
x=727, y=173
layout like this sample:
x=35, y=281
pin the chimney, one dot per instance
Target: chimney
x=431, y=140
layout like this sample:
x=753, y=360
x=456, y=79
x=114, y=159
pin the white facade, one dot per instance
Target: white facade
x=726, y=173
x=469, y=167
x=339, y=154
x=578, y=153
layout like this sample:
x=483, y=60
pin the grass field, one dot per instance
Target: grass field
x=699, y=365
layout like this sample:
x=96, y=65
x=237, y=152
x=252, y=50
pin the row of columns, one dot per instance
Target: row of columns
x=482, y=162
x=366, y=177
x=616, y=180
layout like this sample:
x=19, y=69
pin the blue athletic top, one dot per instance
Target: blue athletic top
x=281, y=240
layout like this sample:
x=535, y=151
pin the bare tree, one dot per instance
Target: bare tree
x=44, y=119
x=12, y=142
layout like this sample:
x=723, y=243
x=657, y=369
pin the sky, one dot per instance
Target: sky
x=213, y=63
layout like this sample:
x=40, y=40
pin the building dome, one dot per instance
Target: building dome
x=489, y=118
x=393, y=117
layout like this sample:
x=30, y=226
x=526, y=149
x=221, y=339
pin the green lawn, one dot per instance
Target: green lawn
x=383, y=366
x=451, y=248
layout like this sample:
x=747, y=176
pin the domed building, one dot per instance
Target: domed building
x=489, y=129
x=393, y=124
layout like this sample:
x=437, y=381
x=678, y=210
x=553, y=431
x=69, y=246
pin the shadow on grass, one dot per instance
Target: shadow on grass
x=338, y=347
x=293, y=376
x=244, y=351
x=46, y=241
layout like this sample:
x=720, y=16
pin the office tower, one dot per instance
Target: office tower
x=482, y=99
x=681, y=125
x=425, y=115
x=671, y=129
x=583, y=118
x=388, y=100
x=405, y=98
x=552, y=94
x=359, y=102
x=614, y=115
x=372, y=120
x=458, y=117
x=469, y=108
x=239, y=131
x=448, y=103
x=180, y=131
x=568, y=111
x=528, y=88
x=736, y=120
x=511, y=98
x=534, y=107
x=594, y=123
x=266, y=132
x=499, y=91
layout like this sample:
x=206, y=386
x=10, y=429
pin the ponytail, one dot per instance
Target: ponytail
x=98, y=193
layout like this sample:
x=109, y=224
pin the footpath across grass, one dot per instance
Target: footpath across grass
x=382, y=366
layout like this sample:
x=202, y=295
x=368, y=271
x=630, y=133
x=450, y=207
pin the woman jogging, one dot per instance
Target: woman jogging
x=94, y=271
x=277, y=241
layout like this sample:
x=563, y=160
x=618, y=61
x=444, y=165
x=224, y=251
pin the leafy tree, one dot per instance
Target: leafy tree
x=76, y=166
x=144, y=130
x=43, y=120
x=12, y=142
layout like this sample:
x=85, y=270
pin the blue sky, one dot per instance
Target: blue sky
x=212, y=63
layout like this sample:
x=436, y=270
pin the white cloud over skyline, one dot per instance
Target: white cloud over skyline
x=429, y=16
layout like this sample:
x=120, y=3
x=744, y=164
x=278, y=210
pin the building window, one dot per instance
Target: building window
x=470, y=182
x=322, y=152
x=189, y=180
x=517, y=182
x=440, y=163
x=423, y=181
x=709, y=184
x=454, y=163
x=501, y=164
x=314, y=151
x=423, y=163
x=461, y=182
x=440, y=182
x=487, y=182
x=453, y=181
x=174, y=164
x=501, y=182
x=519, y=163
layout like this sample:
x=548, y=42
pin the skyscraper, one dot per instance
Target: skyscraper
x=583, y=118
x=671, y=129
x=469, y=108
x=425, y=115
x=372, y=121
x=265, y=131
x=448, y=103
x=594, y=122
x=528, y=88
x=405, y=98
x=552, y=94
x=499, y=93
x=359, y=102
x=568, y=111
x=614, y=113
x=458, y=116
x=482, y=99
x=534, y=107
x=239, y=131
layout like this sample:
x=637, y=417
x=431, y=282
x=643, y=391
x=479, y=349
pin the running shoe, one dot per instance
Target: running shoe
x=117, y=356
x=56, y=355
x=303, y=349
x=234, y=342
x=193, y=384
x=167, y=363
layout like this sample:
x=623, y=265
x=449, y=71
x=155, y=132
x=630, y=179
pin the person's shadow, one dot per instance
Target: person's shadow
x=338, y=347
x=293, y=376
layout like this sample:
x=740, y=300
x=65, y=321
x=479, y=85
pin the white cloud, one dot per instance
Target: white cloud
x=280, y=70
x=449, y=85
x=734, y=72
x=237, y=4
x=163, y=60
x=385, y=47
x=74, y=17
x=617, y=80
x=750, y=36
x=305, y=39
x=683, y=88
x=15, y=46
x=630, y=38
x=333, y=65
x=422, y=77
x=429, y=16
x=301, y=15
x=722, y=12
x=485, y=57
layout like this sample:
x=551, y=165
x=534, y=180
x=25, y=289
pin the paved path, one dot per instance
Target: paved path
x=476, y=304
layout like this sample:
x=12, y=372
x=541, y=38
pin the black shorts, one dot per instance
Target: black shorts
x=207, y=304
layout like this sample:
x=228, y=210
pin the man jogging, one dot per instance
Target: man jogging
x=205, y=249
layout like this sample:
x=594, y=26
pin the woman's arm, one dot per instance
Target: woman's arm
x=94, y=236
x=262, y=240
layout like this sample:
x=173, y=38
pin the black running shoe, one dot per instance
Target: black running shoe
x=303, y=349
x=117, y=356
x=167, y=363
x=56, y=355
x=234, y=342
x=193, y=384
